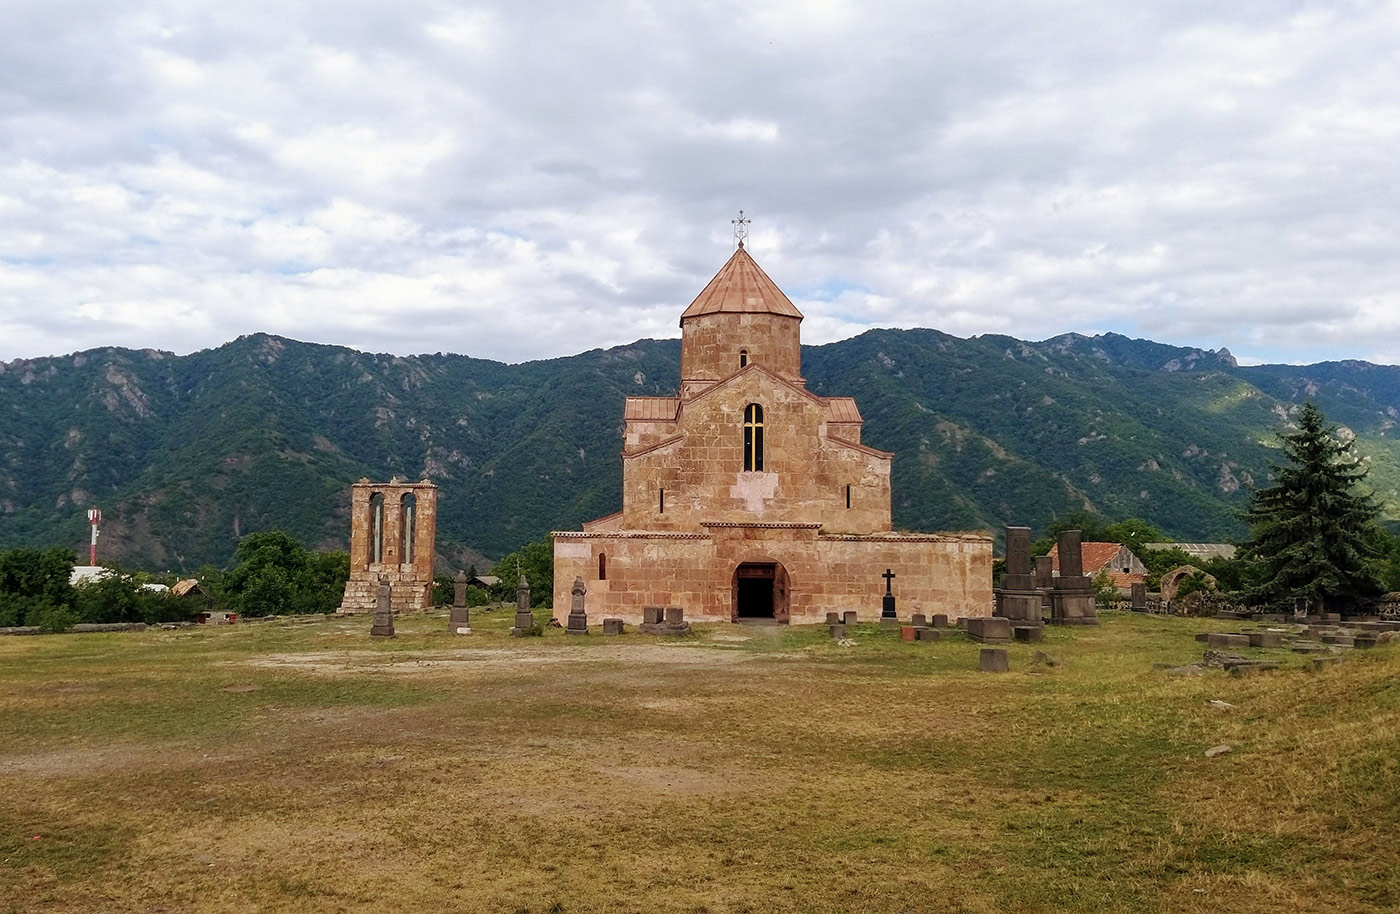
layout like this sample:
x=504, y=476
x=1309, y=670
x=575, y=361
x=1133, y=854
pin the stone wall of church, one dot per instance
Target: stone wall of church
x=804, y=478
x=949, y=574
x=710, y=347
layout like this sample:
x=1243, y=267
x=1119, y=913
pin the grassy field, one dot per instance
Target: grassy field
x=302, y=767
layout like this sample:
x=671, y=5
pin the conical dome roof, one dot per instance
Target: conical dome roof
x=741, y=286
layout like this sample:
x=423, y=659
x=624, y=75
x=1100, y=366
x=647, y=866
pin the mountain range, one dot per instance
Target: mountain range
x=185, y=454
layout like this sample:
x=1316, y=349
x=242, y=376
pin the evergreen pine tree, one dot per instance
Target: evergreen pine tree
x=1313, y=535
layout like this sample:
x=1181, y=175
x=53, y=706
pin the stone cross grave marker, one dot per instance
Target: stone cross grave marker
x=887, y=611
x=578, y=618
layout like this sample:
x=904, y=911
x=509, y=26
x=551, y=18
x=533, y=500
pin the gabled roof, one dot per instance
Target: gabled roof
x=842, y=409
x=742, y=287
x=1095, y=556
x=651, y=408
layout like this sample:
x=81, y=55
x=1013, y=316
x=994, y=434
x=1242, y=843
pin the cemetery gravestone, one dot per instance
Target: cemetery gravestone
x=459, y=621
x=383, y=626
x=578, y=618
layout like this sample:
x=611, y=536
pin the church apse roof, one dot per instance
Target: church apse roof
x=742, y=287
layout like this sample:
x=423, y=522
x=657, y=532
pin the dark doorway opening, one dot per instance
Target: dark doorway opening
x=760, y=592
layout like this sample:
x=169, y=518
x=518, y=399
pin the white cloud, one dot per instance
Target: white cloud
x=529, y=180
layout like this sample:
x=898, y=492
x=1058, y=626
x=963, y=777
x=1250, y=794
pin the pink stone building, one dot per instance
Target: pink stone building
x=749, y=497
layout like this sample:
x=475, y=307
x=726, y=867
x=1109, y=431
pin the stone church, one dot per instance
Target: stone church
x=749, y=497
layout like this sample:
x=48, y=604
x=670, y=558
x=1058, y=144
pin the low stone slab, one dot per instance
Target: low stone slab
x=1310, y=647
x=1265, y=639
x=989, y=629
x=919, y=620
x=20, y=630
x=929, y=634
x=653, y=615
x=908, y=633
x=837, y=631
x=833, y=618
x=675, y=615
x=1203, y=637
x=1366, y=639
x=849, y=617
x=1030, y=633
x=994, y=660
x=940, y=620
x=1226, y=640
x=612, y=626
x=109, y=627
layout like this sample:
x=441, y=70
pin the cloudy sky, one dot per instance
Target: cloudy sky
x=523, y=179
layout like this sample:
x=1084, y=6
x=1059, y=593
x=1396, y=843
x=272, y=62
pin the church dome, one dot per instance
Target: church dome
x=741, y=287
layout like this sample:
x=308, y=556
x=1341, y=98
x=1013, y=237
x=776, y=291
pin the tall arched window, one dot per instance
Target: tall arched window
x=376, y=527
x=408, y=516
x=743, y=357
x=753, y=438
x=602, y=566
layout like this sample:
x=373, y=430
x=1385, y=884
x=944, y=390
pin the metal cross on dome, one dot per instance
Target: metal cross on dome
x=741, y=230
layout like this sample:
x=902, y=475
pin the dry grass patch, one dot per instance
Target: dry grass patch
x=304, y=767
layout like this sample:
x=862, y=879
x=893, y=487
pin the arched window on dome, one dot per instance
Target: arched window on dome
x=753, y=438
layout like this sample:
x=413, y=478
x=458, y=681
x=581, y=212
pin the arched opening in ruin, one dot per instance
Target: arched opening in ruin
x=760, y=592
x=408, y=516
x=376, y=528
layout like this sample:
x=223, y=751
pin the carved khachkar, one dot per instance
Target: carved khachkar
x=393, y=535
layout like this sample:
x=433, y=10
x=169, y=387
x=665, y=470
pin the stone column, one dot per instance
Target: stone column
x=524, y=619
x=460, y=621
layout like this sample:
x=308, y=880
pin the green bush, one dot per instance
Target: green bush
x=276, y=574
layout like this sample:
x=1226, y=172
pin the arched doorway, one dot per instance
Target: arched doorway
x=760, y=592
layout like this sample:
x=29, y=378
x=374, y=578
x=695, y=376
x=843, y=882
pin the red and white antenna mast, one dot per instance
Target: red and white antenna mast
x=94, y=518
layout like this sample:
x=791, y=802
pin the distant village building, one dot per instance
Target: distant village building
x=393, y=537
x=749, y=497
x=1201, y=552
x=486, y=582
x=1123, y=568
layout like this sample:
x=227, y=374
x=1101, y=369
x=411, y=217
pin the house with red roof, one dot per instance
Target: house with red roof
x=1124, y=568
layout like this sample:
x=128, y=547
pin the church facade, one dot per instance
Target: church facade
x=749, y=497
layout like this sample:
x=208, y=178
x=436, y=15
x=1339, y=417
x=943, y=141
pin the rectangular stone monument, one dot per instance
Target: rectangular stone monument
x=848, y=617
x=888, y=616
x=837, y=630
x=989, y=629
x=459, y=621
x=1072, y=597
x=929, y=634
x=1044, y=572
x=612, y=626
x=1029, y=633
x=833, y=618
x=653, y=615
x=1227, y=640
x=919, y=620
x=671, y=621
x=1266, y=639
x=994, y=660
x=383, y=626
x=940, y=620
x=908, y=633
x=1139, y=597
x=1016, y=596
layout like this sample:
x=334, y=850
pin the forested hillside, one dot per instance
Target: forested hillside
x=185, y=454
